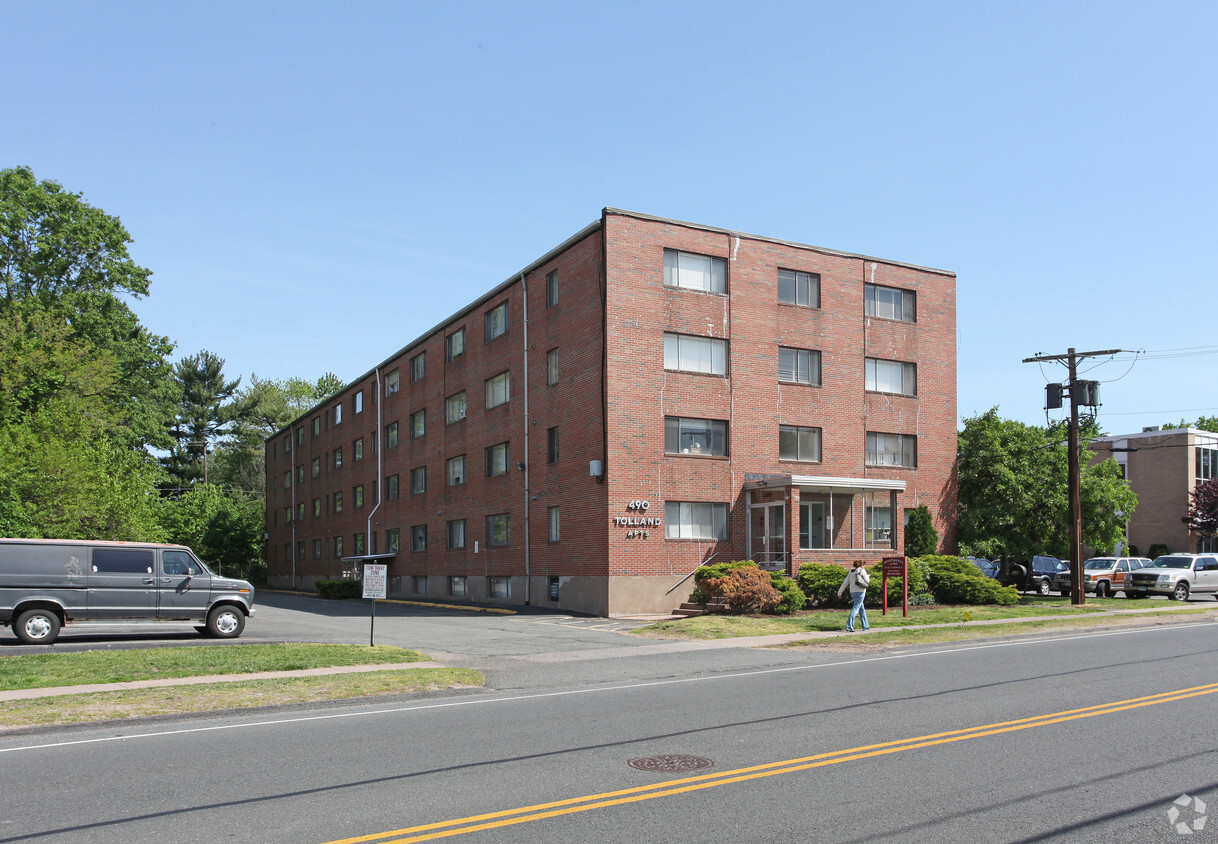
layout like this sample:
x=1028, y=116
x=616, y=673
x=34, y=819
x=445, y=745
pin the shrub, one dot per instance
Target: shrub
x=1158, y=549
x=1133, y=551
x=746, y=589
x=700, y=595
x=340, y=589
x=920, y=534
x=919, y=586
x=792, y=596
x=820, y=581
x=954, y=588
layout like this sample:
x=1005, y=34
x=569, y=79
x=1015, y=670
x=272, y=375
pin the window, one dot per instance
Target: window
x=287, y=480
x=316, y=426
x=498, y=530
x=391, y=383
x=317, y=508
x=338, y=546
x=358, y=543
x=300, y=511
x=338, y=502
x=552, y=366
x=889, y=303
x=695, y=436
x=695, y=272
x=315, y=467
x=418, y=480
x=287, y=444
x=1207, y=463
x=287, y=552
x=300, y=436
x=695, y=520
x=300, y=474
x=418, y=366
x=499, y=587
x=393, y=540
x=455, y=470
x=316, y=549
x=300, y=550
x=496, y=321
x=797, y=443
x=287, y=515
x=359, y=402
x=892, y=450
x=890, y=376
x=338, y=413
x=497, y=392
x=877, y=519
x=418, y=537
x=418, y=584
x=456, y=587
x=338, y=458
x=554, y=524
x=456, y=533
x=124, y=561
x=798, y=366
x=358, y=496
x=552, y=288
x=418, y=424
x=357, y=448
x=552, y=444
x=391, y=435
x=497, y=460
x=454, y=408
x=392, y=488
x=687, y=353
x=795, y=288
x=454, y=344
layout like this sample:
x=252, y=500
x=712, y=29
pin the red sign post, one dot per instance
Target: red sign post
x=897, y=567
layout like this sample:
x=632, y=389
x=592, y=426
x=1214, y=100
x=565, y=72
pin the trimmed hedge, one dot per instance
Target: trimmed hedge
x=341, y=589
x=934, y=578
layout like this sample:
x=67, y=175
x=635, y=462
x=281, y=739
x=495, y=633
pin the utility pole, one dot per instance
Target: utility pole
x=1085, y=393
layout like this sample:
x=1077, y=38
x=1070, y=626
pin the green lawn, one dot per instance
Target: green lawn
x=38, y=671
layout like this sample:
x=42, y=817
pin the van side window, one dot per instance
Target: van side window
x=178, y=562
x=124, y=560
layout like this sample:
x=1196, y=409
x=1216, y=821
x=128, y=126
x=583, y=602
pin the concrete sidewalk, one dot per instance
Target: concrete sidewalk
x=660, y=647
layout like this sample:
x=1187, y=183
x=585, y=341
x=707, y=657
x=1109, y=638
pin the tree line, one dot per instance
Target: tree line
x=101, y=436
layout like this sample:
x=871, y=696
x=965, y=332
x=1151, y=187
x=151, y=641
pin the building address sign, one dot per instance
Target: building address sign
x=639, y=524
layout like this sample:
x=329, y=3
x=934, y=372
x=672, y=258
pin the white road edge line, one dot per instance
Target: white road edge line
x=597, y=690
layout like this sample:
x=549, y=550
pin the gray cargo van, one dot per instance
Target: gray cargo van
x=48, y=583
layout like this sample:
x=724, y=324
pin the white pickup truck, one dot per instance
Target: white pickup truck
x=1177, y=575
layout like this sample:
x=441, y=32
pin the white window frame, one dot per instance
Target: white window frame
x=882, y=376
x=696, y=354
x=704, y=520
x=690, y=271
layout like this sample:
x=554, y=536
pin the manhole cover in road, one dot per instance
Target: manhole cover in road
x=670, y=763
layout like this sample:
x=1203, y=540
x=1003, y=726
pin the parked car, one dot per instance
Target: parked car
x=988, y=567
x=46, y=584
x=1177, y=575
x=1036, y=575
x=1101, y=575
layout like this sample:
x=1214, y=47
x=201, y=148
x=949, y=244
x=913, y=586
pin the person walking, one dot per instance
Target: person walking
x=856, y=581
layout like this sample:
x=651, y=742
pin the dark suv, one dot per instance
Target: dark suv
x=1033, y=576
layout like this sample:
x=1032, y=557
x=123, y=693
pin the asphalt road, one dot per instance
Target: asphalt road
x=1049, y=738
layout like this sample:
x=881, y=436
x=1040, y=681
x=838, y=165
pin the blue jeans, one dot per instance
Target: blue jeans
x=859, y=610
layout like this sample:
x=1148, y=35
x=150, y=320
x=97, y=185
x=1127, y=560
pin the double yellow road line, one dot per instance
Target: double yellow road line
x=541, y=811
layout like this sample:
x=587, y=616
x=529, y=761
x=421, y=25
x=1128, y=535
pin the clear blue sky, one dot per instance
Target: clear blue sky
x=316, y=184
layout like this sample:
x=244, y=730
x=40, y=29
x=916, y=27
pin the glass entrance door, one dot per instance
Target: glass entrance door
x=768, y=535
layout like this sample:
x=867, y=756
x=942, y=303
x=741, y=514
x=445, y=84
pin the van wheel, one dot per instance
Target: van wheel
x=1180, y=593
x=225, y=622
x=1101, y=589
x=1044, y=587
x=37, y=627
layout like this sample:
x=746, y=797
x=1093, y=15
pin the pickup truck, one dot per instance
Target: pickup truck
x=1177, y=575
x=1101, y=575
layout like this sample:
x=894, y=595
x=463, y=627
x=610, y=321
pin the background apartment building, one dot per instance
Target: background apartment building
x=649, y=395
x=1163, y=466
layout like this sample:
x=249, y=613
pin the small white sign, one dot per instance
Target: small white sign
x=376, y=580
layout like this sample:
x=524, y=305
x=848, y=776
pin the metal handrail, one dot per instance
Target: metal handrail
x=692, y=573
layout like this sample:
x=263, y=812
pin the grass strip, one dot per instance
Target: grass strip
x=40, y=671
x=243, y=694
x=964, y=631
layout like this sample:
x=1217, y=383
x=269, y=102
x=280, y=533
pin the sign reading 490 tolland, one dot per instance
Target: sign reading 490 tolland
x=637, y=520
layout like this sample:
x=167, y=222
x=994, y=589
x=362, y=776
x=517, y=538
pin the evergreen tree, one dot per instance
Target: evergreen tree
x=921, y=538
x=205, y=414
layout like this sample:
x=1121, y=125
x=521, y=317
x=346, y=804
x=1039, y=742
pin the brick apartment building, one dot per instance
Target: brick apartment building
x=648, y=395
x=1163, y=466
